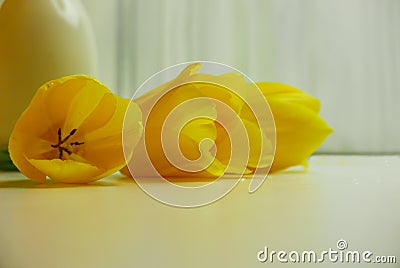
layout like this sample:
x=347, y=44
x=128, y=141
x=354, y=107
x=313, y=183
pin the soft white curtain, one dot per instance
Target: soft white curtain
x=345, y=52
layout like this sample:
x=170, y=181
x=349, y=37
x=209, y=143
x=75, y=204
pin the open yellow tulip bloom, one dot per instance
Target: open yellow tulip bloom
x=72, y=132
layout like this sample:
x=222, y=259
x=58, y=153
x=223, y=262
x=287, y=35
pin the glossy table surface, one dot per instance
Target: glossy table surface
x=113, y=223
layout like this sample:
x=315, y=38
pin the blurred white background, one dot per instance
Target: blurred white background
x=345, y=52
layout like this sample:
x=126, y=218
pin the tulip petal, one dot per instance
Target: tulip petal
x=59, y=94
x=283, y=92
x=260, y=154
x=103, y=147
x=300, y=131
x=66, y=171
x=101, y=115
x=299, y=128
x=84, y=103
x=29, y=126
x=114, y=124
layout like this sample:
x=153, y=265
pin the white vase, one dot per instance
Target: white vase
x=39, y=41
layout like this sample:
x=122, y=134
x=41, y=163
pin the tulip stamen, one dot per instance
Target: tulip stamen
x=61, y=141
x=76, y=143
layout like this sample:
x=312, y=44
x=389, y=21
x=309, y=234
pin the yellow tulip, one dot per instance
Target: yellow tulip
x=72, y=132
x=299, y=128
x=220, y=94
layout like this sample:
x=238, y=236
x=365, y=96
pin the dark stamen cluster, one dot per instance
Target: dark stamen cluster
x=61, y=142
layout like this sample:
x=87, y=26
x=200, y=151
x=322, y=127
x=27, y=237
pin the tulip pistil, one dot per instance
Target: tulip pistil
x=61, y=141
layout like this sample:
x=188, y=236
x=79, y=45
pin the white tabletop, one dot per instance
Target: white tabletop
x=113, y=223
